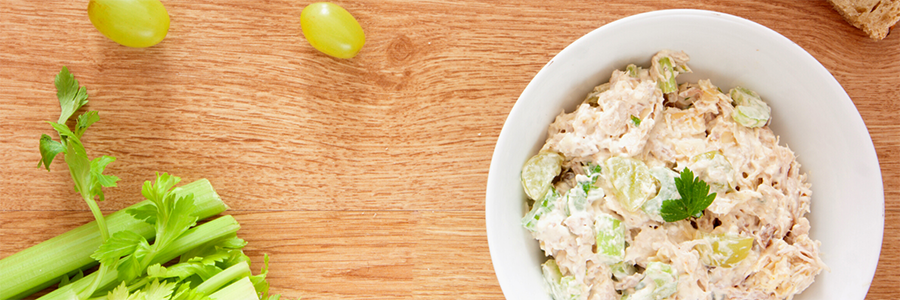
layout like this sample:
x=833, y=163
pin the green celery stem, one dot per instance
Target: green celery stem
x=210, y=231
x=98, y=218
x=240, y=290
x=225, y=277
x=42, y=265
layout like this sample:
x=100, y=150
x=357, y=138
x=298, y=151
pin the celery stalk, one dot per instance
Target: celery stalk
x=240, y=270
x=42, y=265
x=240, y=290
x=202, y=234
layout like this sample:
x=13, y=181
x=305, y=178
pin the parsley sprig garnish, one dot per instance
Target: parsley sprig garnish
x=695, y=198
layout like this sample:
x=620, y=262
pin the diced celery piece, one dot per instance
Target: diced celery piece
x=665, y=66
x=539, y=171
x=609, y=234
x=631, y=180
x=749, y=109
x=633, y=70
x=658, y=283
x=667, y=191
x=540, y=208
x=594, y=95
x=714, y=168
x=622, y=269
x=724, y=250
x=561, y=287
x=667, y=76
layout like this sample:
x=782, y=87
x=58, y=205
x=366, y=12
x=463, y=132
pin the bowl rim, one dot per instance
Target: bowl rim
x=494, y=172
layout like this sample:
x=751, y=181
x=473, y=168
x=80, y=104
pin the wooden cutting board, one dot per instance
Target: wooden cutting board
x=361, y=178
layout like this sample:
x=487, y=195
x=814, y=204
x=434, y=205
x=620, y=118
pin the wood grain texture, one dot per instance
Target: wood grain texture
x=362, y=178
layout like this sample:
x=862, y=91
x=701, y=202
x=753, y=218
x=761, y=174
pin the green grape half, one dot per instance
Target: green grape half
x=132, y=23
x=724, y=250
x=539, y=171
x=332, y=29
x=715, y=169
x=631, y=180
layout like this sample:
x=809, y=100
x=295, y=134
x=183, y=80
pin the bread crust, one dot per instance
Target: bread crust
x=874, y=17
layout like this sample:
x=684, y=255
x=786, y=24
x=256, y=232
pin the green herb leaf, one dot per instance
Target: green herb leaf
x=157, y=271
x=185, y=292
x=71, y=97
x=98, y=180
x=79, y=168
x=171, y=216
x=158, y=290
x=133, y=266
x=84, y=121
x=695, y=198
x=121, y=243
x=63, y=130
x=259, y=280
x=49, y=150
x=635, y=120
x=179, y=218
x=145, y=212
x=120, y=293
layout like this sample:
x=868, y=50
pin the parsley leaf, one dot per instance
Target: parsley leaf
x=695, y=198
x=635, y=120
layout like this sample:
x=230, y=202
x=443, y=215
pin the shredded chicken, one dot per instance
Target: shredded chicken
x=761, y=194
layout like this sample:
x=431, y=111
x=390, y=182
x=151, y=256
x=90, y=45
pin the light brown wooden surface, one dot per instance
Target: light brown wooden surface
x=361, y=178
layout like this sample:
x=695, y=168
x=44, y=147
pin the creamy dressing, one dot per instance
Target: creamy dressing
x=761, y=194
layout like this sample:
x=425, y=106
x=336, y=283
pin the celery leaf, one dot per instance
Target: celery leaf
x=158, y=290
x=145, y=212
x=120, y=293
x=171, y=216
x=71, y=97
x=259, y=280
x=84, y=121
x=98, y=180
x=121, y=243
x=49, y=150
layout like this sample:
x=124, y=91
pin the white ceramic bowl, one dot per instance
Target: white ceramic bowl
x=810, y=111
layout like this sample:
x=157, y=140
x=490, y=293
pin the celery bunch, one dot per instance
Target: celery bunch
x=135, y=247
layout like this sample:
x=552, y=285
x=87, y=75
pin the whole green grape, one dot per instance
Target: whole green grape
x=132, y=23
x=331, y=29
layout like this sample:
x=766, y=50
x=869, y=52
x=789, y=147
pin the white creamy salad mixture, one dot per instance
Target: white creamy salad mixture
x=601, y=179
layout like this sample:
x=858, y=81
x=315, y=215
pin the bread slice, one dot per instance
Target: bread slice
x=875, y=17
